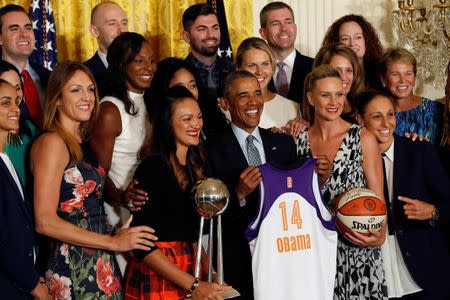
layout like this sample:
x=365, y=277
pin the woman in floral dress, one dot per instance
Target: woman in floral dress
x=68, y=183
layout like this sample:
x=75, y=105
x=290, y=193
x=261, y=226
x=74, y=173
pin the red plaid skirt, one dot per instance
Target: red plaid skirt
x=142, y=283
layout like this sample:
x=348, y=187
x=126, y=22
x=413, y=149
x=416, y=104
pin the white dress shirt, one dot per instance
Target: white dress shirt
x=102, y=58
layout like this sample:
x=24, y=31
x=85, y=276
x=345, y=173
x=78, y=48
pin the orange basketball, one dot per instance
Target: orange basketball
x=359, y=210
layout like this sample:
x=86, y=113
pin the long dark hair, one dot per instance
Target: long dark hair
x=23, y=128
x=163, y=138
x=160, y=83
x=121, y=52
x=374, y=48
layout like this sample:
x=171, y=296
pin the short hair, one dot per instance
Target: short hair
x=320, y=72
x=59, y=77
x=10, y=8
x=254, y=43
x=194, y=11
x=394, y=55
x=97, y=7
x=273, y=6
x=233, y=77
x=364, y=98
x=326, y=54
x=374, y=48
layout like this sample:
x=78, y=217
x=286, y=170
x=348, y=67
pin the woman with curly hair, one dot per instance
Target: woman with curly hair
x=357, y=33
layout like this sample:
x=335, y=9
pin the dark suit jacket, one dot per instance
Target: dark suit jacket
x=43, y=73
x=419, y=174
x=302, y=66
x=98, y=69
x=226, y=162
x=18, y=274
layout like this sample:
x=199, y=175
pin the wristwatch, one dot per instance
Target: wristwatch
x=434, y=217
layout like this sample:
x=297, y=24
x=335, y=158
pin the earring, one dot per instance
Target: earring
x=14, y=139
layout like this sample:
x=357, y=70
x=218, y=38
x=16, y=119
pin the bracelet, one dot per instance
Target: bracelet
x=194, y=286
x=42, y=281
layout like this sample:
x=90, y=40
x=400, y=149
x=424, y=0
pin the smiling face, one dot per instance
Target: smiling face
x=9, y=109
x=327, y=98
x=13, y=79
x=204, y=35
x=245, y=103
x=17, y=38
x=280, y=30
x=351, y=34
x=184, y=78
x=345, y=69
x=77, y=99
x=139, y=72
x=400, y=79
x=379, y=118
x=258, y=62
x=187, y=122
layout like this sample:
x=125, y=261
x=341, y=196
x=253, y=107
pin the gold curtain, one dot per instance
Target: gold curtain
x=157, y=20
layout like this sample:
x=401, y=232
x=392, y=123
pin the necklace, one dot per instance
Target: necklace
x=191, y=177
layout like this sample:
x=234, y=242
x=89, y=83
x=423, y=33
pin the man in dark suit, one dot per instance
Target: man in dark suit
x=421, y=214
x=17, y=42
x=229, y=159
x=278, y=28
x=108, y=20
x=19, y=278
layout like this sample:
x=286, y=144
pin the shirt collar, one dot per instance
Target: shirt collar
x=199, y=64
x=241, y=135
x=390, y=151
x=290, y=59
x=102, y=57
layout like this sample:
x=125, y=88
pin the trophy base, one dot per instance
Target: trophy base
x=225, y=294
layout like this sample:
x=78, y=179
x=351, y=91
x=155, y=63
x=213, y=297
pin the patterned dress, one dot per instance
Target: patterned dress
x=75, y=272
x=426, y=119
x=360, y=273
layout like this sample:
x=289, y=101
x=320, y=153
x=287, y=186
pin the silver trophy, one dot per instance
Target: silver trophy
x=211, y=199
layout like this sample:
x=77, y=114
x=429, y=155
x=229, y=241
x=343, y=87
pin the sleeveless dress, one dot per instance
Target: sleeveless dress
x=125, y=156
x=75, y=272
x=360, y=273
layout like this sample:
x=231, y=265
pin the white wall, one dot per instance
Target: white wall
x=313, y=17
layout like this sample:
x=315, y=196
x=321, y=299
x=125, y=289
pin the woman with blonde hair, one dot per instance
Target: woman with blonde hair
x=356, y=163
x=343, y=59
x=68, y=185
x=414, y=114
x=254, y=55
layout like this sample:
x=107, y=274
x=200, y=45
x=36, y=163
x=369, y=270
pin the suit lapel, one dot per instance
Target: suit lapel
x=267, y=144
x=12, y=183
x=233, y=149
x=396, y=175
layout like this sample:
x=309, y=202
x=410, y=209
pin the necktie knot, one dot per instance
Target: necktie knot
x=280, y=65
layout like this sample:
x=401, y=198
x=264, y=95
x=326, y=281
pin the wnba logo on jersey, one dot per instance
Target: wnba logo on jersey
x=289, y=182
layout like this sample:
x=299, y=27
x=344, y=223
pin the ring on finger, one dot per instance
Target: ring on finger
x=130, y=204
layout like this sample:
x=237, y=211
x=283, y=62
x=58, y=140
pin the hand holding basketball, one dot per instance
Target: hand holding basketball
x=417, y=210
x=375, y=239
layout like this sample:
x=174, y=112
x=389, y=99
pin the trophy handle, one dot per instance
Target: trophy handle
x=199, y=250
x=210, y=249
x=219, y=251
